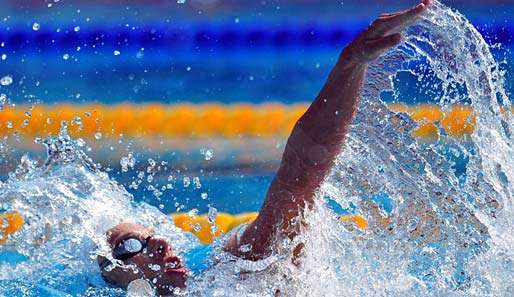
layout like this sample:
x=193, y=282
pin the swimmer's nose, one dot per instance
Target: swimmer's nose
x=160, y=247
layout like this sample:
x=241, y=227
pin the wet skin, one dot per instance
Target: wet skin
x=156, y=262
x=308, y=156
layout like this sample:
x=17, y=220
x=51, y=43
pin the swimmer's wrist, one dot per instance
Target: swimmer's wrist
x=346, y=70
x=350, y=59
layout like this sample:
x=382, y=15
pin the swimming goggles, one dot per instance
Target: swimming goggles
x=129, y=247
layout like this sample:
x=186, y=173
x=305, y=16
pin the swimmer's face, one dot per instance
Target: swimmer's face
x=155, y=263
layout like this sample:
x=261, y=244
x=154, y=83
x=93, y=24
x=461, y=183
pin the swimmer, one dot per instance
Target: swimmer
x=311, y=149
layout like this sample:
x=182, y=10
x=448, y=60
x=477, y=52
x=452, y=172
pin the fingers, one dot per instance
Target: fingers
x=388, y=15
x=383, y=34
x=395, y=22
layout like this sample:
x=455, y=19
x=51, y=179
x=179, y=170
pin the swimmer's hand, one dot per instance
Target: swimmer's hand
x=381, y=35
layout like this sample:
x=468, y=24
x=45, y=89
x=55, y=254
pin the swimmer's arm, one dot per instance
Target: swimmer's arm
x=309, y=153
x=317, y=138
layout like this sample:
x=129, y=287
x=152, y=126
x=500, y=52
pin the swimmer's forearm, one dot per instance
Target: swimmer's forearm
x=308, y=156
x=328, y=119
x=319, y=134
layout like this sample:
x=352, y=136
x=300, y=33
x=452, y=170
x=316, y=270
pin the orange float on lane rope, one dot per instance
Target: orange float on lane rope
x=10, y=223
x=356, y=219
x=200, y=226
x=459, y=121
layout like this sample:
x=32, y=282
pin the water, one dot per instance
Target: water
x=432, y=231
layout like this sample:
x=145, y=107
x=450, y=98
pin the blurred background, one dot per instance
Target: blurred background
x=186, y=103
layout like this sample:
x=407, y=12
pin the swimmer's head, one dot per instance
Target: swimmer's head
x=145, y=256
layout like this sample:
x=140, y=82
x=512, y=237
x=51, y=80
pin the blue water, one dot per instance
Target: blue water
x=232, y=193
x=201, y=51
x=237, y=192
x=166, y=74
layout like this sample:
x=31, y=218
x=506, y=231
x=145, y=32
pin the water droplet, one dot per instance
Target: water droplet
x=193, y=213
x=128, y=161
x=196, y=182
x=80, y=142
x=66, y=56
x=152, y=163
x=3, y=100
x=4, y=57
x=98, y=135
x=6, y=80
x=204, y=196
x=181, y=1
x=188, y=68
x=207, y=153
x=245, y=248
x=211, y=216
x=140, y=288
x=76, y=29
x=36, y=26
x=117, y=53
x=186, y=181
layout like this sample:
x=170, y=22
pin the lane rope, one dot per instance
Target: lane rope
x=204, y=120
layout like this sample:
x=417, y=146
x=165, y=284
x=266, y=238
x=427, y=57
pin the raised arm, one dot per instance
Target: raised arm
x=317, y=138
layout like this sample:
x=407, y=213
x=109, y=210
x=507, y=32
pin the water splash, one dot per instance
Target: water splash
x=440, y=225
x=68, y=204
